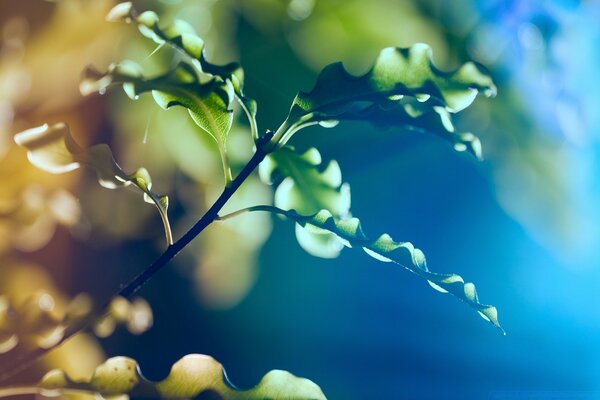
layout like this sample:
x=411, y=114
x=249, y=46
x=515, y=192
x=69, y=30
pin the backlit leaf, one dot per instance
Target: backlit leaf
x=306, y=185
x=52, y=149
x=181, y=36
x=192, y=376
x=385, y=249
x=397, y=72
x=37, y=322
x=209, y=104
x=419, y=117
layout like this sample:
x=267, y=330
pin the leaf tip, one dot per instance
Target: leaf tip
x=120, y=12
x=50, y=148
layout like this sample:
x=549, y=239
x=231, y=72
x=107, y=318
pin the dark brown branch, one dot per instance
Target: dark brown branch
x=27, y=359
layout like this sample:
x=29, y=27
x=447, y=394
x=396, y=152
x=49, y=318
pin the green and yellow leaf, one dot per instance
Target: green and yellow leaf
x=53, y=149
x=182, y=37
x=208, y=103
x=193, y=376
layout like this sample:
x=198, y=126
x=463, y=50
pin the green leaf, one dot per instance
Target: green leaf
x=36, y=322
x=419, y=117
x=397, y=72
x=385, y=249
x=135, y=315
x=192, y=376
x=208, y=103
x=306, y=185
x=52, y=149
x=182, y=37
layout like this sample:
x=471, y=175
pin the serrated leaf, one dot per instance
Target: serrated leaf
x=52, y=149
x=208, y=103
x=192, y=376
x=397, y=72
x=306, y=185
x=385, y=249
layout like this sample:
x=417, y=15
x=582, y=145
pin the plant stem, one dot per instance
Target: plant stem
x=27, y=359
x=266, y=208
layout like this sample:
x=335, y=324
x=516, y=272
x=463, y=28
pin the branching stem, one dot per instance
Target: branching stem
x=27, y=359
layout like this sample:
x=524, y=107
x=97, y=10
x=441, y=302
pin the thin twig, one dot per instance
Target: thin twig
x=266, y=208
x=27, y=359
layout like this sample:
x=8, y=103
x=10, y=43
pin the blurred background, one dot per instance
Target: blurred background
x=522, y=224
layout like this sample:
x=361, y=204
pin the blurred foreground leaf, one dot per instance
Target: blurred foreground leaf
x=52, y=149
x=397, y=72
x=192, y=376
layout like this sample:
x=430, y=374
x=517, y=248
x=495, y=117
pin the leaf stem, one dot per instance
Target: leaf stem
x=25, y=360
x=287, y=130
x=261, y=207
x=226, y=166
x=250, y=116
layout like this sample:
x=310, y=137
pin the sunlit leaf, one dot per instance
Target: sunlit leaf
x=181, y=36
x=307, y=185
x=397, y=72
x=37, y=322
x=385, y=249
x=193, y=376
x=135, y=315
x=304, y=183
x=209, y=104
x=52, y=149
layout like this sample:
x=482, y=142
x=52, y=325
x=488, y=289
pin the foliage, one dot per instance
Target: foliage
x=402, y=89
x=192, y=376
x=54, y=150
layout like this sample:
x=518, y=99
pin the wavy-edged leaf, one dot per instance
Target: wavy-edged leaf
x=385, y=249
x=52, y=149
x=209, y=104
x=181, y=36
x=419, y=117
x=397, y=72
x=192, y=376
x=306, y=185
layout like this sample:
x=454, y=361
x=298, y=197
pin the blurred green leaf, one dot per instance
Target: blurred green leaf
x=192, y=376
x=52, y=149
x=35, y=322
